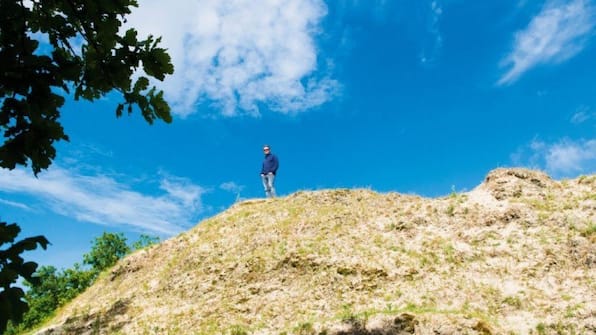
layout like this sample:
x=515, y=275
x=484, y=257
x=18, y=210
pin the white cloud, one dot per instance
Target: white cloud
x=231, y=186
x=103, y=200
x=571, y=157
x=15, y=204
x=431, y=51
x=379, y=10
x=561, y=159
x=582, y=115
x=239, y=54
x=556, y=34
x=184, y=191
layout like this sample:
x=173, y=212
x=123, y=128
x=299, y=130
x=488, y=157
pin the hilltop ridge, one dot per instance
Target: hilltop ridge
x=515, y=255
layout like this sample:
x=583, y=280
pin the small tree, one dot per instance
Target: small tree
x=106, y=251
x=145, y=241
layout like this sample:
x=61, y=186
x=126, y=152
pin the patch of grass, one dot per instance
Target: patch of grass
x=432, y=309
x=305, y=328
x=540, y=205
x=389, y=309
x=453, y=194
x=96, y=326
x=542, y=216
x=455, y=200
x=238, y=330
x=346, y=312
x=399, y=226
x=485, y=238
x=450, y=210
x=322, y=247
x=413, y=308
x=210, y=326
x=541, y=328
x=358, y=320
x=513, y=301
x=281, y=249
x=518, y=191
x=423, y=259
x=586, y=180
x=379, y=241
x=450, y=254
x=589, y=231
x=348, y=315
x=558, y=328
x=571, y=310
x=570, y=204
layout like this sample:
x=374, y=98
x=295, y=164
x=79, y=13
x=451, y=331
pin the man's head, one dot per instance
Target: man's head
x=266, y=149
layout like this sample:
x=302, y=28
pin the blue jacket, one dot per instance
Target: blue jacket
x=270, y=164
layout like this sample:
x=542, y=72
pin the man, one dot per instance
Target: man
x=268, y=171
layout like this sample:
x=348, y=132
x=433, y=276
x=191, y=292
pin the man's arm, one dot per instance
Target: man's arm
x=275, y=163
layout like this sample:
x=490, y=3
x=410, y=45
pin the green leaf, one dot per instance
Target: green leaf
x=141, y=84
x=119, y=110
x=130, y=37
x=8, y=232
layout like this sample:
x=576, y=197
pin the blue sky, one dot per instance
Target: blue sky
x=413, y=96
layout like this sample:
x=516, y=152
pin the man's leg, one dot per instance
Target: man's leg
x=271, y=180
x=265, y=181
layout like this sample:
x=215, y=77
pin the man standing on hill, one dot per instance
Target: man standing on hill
x=268, y=171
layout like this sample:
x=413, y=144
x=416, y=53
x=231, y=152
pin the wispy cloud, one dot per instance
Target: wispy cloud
x=378, y=10
x=231, y=186
x=430, y=52
x=571, y=157
x=561, y=159
x=15, y=204
x=557, y=33
x=582, y=114
x=184, y=192
x=238, y=55
x=101, y=199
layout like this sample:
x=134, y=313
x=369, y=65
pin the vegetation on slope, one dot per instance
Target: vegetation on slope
x=515, y=255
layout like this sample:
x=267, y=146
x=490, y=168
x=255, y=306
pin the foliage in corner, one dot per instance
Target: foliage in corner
x=51, y=48
x=82, y=51
x=12, y=266
x=54, y=288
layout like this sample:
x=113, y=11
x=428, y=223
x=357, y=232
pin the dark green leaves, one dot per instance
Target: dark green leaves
x=156, y=61
x=31, y=81
x=12, y=266
x=106, y=251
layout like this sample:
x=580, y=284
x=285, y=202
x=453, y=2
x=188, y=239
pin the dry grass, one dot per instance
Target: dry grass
x=514, y=256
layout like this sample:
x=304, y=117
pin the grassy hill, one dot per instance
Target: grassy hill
x=516, y=255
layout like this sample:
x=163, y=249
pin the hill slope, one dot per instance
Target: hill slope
x=515, y=255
